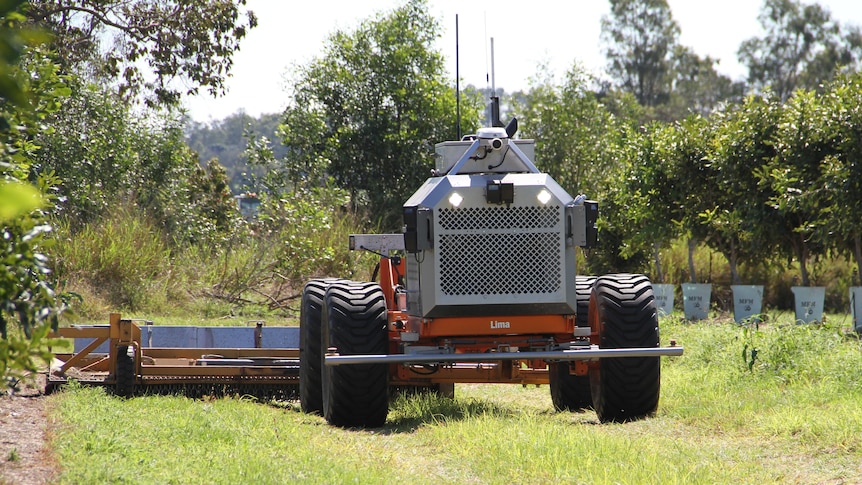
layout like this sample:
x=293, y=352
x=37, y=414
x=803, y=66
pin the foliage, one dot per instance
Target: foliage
x=106, y=154
x=740, y=222
x=646, y=196
x=841, y=171
x=794, y=177
x=369, y=111
x=803, y=47
x=30, y=89
x=188, y=42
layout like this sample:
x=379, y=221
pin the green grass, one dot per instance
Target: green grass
x=793, y=416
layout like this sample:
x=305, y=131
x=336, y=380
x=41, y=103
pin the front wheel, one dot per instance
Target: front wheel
x=355, y=323
x=570, y=392
x=623, y=313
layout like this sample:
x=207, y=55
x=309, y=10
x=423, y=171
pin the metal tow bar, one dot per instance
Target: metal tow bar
x=553, y=355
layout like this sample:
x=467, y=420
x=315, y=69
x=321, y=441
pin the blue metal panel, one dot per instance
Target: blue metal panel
x=209, y=337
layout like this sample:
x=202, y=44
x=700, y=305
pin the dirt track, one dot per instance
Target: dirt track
x=24, y=456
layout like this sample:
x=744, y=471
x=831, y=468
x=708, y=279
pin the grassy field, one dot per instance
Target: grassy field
x=791, y=412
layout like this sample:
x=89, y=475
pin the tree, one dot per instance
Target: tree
x=696, y=87
x=372, y=107
x=640, y=36
x=572, y=130
x=106, y=153
x=645, y=189
x=186, y=43
x=740, y=222
x=29, y=89
x=842, y=171
x=795, y=178
x=803, y=47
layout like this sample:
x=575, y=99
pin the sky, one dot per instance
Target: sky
x=557, y=33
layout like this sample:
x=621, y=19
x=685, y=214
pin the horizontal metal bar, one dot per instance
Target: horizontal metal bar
x=553, y=355
x=232, y=353
x=212, y=370
x=377, y=242
x=82, y=331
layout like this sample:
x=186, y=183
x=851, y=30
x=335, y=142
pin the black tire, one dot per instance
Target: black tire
x=624, y=312
x=310, y=394
x=571, y=392
x=355, y=395
x=126, y=378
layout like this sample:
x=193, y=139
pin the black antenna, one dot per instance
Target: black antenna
x=457, y=83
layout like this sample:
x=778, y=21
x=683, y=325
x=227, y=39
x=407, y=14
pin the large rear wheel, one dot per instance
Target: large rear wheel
x=355, y=323
x=623, y=312
x=570, y=392
x=310, y=394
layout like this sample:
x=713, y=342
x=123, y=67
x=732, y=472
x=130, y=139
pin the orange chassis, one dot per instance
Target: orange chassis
x=499, y=349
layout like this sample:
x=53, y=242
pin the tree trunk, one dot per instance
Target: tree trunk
x=692, y=245
x=732, y=260
x=659, y=277
x=802, y=254
x=857, y=247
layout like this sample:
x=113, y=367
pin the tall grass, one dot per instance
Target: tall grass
x=123, y=259
x=792, y=416
x=126, y=262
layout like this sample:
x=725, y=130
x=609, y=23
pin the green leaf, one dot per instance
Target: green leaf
x=18, y=198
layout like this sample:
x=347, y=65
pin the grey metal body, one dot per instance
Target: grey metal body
x=478, y=255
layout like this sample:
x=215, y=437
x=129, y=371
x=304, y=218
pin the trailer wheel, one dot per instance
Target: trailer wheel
x=623, y=312
x=125, y=376
x=310, y=394
x=355, y=395
x=570, y=392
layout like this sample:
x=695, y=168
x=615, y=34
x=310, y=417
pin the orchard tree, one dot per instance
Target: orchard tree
x=740, y=222
x=646, y=189
x=186, y=44
x=639, y=38
x=803, y=47
x=685, y=149
x=371, y=108
x=795, y=178
x=842, y=170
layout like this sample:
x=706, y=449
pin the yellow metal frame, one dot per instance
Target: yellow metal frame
x=166, y=365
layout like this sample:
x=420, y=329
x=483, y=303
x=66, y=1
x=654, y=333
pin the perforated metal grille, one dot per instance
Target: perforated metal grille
x=500, y=251
x=499, y=218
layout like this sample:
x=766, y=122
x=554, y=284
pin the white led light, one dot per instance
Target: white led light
x=455, y=199
x=544, y=196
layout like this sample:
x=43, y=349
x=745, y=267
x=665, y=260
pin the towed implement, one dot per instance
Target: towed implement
x=134, y=356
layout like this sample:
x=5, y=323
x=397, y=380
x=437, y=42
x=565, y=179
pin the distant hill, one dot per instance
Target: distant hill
x=225, y=140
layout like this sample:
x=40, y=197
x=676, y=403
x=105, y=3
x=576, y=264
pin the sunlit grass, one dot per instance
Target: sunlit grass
x=793, y=416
